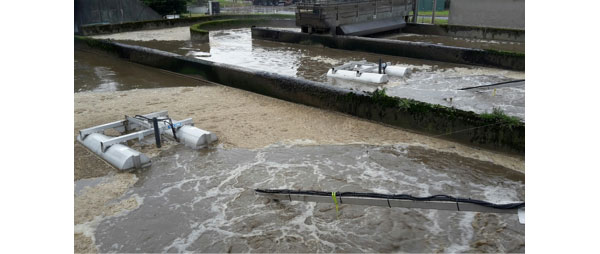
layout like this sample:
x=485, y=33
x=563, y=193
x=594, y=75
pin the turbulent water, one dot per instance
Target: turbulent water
x=429, y=81
x=204, y=201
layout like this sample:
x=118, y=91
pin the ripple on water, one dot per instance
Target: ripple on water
x=204, y=201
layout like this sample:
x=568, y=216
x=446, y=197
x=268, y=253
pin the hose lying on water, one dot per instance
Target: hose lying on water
x=397, y=196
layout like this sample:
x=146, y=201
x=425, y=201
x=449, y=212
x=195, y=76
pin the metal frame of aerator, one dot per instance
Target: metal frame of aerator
x=131, y=123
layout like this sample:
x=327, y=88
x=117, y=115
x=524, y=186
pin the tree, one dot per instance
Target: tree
x=164, y=7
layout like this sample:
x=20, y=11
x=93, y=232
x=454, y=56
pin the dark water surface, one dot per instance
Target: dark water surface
x=98, y=72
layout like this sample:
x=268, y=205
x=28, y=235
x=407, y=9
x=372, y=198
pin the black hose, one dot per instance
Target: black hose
x=398, y=196
x=495, y=84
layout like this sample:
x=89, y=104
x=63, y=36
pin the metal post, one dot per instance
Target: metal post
x=156, y=132
x=415, y=11
x=433, y=12
x=379, y=65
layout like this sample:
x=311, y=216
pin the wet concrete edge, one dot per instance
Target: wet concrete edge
x=199, y=32
x=454, y=124
x=473, y=32
x=421, y=50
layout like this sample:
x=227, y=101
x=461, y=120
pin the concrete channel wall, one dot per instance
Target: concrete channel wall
x=485, y=33
x=166, y=23
x=487, y=131
x=199, y=32
x=111, y=11
x=430, y=51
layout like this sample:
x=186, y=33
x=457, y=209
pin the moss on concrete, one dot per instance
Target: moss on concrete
x=94, y=43
x=505, y=53
x=380, y=98
x=499, y=116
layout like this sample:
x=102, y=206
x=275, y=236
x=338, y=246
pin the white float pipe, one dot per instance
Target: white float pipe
x=120, y=156
x=363, y=77
x=397, y=71
x=193, y=137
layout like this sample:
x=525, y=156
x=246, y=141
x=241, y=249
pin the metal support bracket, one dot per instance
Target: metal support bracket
x=140, y=134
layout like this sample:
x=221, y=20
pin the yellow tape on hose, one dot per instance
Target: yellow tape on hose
x=337, y=209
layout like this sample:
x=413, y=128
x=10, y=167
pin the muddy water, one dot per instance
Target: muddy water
x=203, y=201
x=429, y=81
x=102, y=73
x=459, y=42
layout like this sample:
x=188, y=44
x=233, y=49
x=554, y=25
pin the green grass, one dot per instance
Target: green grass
x=428, y=20
x=437, y=13
x=229, y=3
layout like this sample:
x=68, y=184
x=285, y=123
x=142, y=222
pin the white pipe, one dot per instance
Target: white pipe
x=353, y=75
x=120, y=156
x=397, y=71
x=193, y=137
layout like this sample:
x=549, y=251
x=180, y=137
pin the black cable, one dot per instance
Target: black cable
x=398, y=197
x=495, y=84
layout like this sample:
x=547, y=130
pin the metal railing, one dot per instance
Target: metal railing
x=331, y=13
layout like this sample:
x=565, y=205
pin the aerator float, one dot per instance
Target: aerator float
x=158, y=123
x=364, y=71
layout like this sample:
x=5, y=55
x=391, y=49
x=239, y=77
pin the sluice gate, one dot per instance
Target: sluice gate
x=352, y=17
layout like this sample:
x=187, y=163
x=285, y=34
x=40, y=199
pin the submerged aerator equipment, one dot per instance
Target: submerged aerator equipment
x=157, y=123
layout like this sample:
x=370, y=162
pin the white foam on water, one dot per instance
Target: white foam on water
x=292, y=142
x=88, y=228
x=466, y=233
x=327, y=60
x=218, y=191
x=498, y=194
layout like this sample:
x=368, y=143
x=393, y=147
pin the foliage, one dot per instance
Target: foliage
x=380, y=97
x=164, y=7
x=498, y=115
